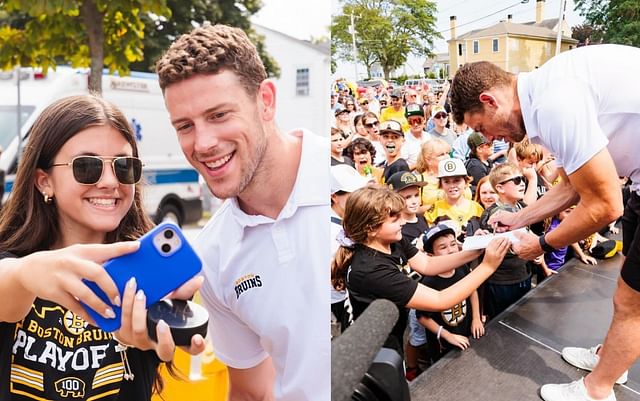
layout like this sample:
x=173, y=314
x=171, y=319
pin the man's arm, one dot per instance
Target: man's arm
x=558, y=198
x=253, y=384
x=600, y=203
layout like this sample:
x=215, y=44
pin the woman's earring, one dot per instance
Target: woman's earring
x=47, y=199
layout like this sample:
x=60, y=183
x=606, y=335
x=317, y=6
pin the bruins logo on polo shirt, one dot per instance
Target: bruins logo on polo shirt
x=247, y=282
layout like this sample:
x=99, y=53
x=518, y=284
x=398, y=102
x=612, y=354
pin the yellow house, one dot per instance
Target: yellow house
x=513, y=46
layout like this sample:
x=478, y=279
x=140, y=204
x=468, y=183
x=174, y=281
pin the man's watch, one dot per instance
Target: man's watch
x=543, y=244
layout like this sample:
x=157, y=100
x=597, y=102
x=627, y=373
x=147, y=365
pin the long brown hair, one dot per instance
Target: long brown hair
x=365, y=211
x=27, y=223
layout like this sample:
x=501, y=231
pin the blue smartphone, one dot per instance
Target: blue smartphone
x=164, y=262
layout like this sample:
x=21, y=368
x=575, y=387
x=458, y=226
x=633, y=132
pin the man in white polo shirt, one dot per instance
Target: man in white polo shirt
x=266, y=251
x=588, y=117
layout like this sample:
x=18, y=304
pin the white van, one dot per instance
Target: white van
x=171, y=189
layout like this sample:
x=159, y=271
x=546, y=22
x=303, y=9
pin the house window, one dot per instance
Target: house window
x=460, y=49
x=495, y=46
x=476, y=47
x=302, y=82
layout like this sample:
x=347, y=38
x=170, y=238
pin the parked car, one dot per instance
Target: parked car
x=367, y=83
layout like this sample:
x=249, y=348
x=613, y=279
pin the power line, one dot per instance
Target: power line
x=486, y=16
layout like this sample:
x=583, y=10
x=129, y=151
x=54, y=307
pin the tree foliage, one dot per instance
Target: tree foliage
x=584, y=34
x=613, y=21
x=159, y=32
x=387, y=31
x=84, y=33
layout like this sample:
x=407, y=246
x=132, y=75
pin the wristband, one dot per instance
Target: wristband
x=543, y=244
x=439, y=332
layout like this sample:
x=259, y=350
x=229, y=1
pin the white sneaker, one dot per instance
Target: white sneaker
x=575, y=391
x=587, y=359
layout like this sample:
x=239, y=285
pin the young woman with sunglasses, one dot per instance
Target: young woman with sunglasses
x=75, y=195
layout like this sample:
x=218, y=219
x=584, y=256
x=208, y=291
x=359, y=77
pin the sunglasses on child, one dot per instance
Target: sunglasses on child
x=88, y=170
x=516, y=180
x=440, y=115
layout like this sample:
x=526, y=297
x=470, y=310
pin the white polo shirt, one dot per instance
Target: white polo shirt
x=583, y=100
x=266, y=283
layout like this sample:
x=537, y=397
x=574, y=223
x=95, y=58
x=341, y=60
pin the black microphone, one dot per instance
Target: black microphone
x=354, y=350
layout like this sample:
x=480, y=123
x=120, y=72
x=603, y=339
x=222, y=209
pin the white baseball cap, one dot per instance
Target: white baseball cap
x=347, y=179
x=451, y=167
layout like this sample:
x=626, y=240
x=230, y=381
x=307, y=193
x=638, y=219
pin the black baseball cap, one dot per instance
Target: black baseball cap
x=404, y=179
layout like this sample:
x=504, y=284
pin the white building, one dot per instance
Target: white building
x=303, y=89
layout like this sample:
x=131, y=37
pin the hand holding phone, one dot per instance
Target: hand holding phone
x=164, y=262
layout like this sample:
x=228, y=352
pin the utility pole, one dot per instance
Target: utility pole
x=352, y=30
x=563, y=4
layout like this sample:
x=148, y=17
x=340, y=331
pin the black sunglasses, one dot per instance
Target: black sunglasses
x=516, y=180
x=440, y=115
x=371, y=125
x=87, y=170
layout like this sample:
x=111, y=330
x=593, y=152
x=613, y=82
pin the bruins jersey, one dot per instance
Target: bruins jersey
x=56, y=355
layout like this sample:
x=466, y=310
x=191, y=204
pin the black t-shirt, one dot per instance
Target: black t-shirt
x=477, y=169
x=398, y=165
x=53, y=354
x=374, y=275
x=456, y=319
x=538, y=228
x=412, y=231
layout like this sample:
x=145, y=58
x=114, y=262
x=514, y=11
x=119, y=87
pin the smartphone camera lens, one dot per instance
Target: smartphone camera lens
x=168, y=234
x=166, y=248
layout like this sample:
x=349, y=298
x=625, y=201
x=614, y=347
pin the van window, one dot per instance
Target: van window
x=8, y=122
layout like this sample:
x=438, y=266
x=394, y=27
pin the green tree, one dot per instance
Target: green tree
x=613, y=21
x=160, y=32
x=85, y=33
x=387, y=31
x=584, y=34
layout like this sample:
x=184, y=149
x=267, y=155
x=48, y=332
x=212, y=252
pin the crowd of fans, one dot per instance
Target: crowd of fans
x=451, y=180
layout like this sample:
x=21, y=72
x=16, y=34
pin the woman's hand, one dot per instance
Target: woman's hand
x=58, y=276
x=133, y=330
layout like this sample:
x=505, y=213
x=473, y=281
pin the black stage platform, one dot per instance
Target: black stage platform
x=521, y=349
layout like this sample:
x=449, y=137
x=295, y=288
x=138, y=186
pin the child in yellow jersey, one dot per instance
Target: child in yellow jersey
x=453, y=180
x=432, y=152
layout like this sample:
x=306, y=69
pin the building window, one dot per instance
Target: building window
x=495, y=46
x=570, y=47
x=302, y=82
x=460, y=49
x=476, y=47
